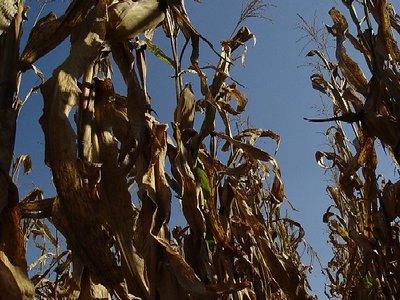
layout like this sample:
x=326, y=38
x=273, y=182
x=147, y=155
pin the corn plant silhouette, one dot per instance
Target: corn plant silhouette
x=235, y=245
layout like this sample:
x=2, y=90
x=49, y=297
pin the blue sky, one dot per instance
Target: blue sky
x=277, y=86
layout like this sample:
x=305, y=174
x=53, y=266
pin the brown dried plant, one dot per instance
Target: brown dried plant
x=236, y=245
x=364, y=219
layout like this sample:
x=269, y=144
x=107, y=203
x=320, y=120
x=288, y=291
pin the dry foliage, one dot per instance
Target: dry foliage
x=235, y=245
x=364, y=217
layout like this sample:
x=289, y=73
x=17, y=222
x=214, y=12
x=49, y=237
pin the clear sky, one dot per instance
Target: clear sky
x=277, y=86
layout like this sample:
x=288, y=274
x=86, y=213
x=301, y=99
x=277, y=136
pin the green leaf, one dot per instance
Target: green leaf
x=202, y=176
x=157, y=52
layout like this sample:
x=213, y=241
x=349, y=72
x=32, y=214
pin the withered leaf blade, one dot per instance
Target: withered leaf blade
x=185, y=110
x=242, y=36
x=255, y=133
x=14, y=283
x=27, y=164
x=23, y=160
x=74, y=210
x=49, y=32
x=319, y=83
x=277, y=189
x=124, y=23
x=312, y=53
x=350, y=69
x=391, y=200
x=250, y=150
x=231, y=92
x=190, y=282
x=339, y=20
x=387, y=44
x=182, y=19
x=319, y=157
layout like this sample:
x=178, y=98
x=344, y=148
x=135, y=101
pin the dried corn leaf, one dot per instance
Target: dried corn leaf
x=14, y=282
x=153, y=185
x=319, y=83
x=185, y=109
x=387, y=44
x=241, y=37
x=277, y=190
x=334, y=193
x=385, y=128
x=49, y=32
x=391, y=200
x=120, y=15
x=255, y=133
x=90, y=289
x=349, y=68
x=41, y=260
x=11, y=237
x=116, y=202
x=74, y=212
x=249, y=150
x=231, y=92
x=340, y=22
x=8, y=118
x=136, y=103
x=365, y=153
x=284, y=273
x=351, y=96
x=319, y=156
x=46, y=232
x=189, y=281
x=181, y=17
x=24, y=160
x=4, y=186
x=220, y=227
x=190, y=190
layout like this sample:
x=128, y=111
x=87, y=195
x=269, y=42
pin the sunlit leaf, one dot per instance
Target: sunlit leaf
x=204, y=181
x=157, y=52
